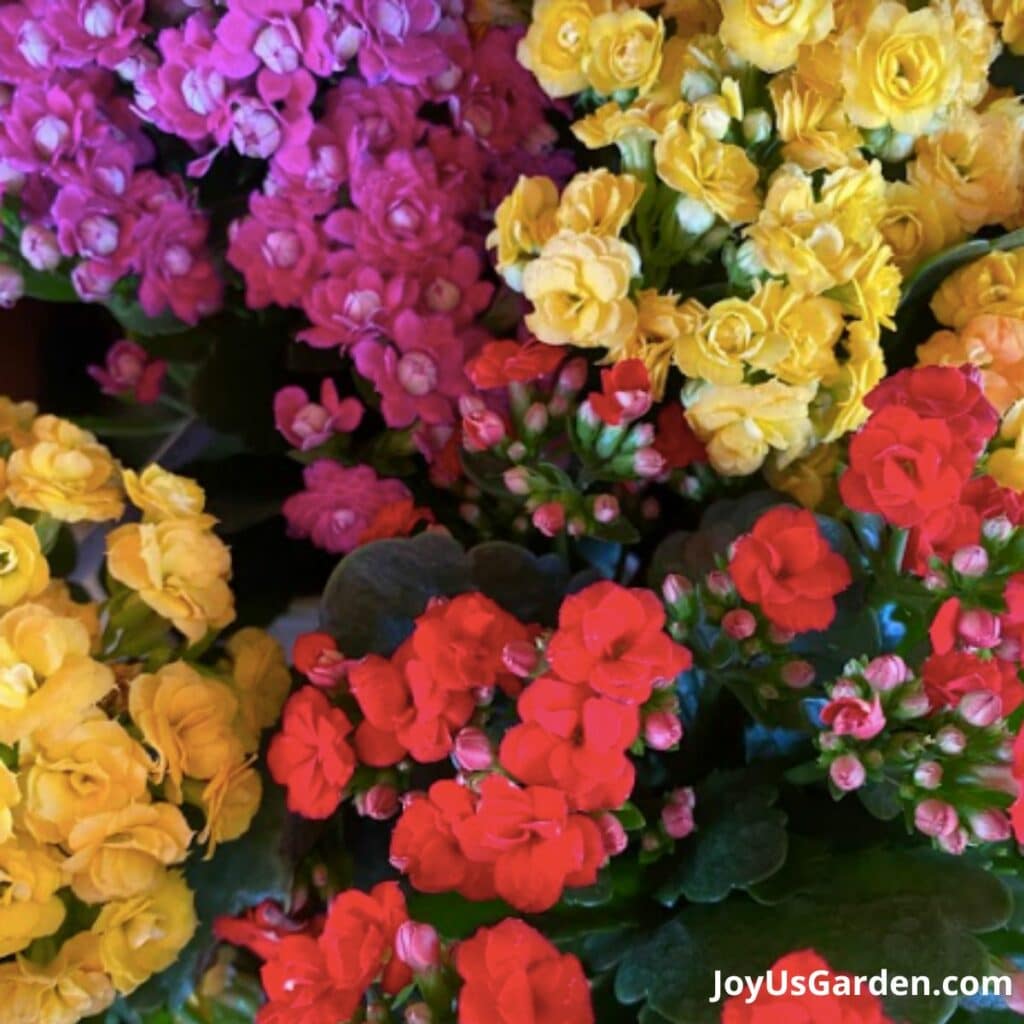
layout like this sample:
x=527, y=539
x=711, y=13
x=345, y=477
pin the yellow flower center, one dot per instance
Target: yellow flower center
x=908, y=68
x=774, y=12
x=8, y=558
x=144, y=928
x=17, y=684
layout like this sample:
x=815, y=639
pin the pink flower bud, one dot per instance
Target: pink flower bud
x=720, y=585
x=913, y=705
x=484, y=695
x=996, y=776
x=572, y=376
x=1009, y=649
x=935, y=580
x=981, y=708
x=39, y=248
x=606, y=508
x=12, y=286
x=418, y=1013
x=549, y=518
x=853, y=716
x=473, y=752
x=779, y=636
x=951, y=741
x=675, y=588
x=971, y=561
x=379, y=802
x=520, y=658
x=613, y=835
x=999, y=529
x=990, y=826
x=482, y=430
x=535, y=420
x=955, y=843
x=798, y=674
x=844, y=687
x=677, y=814
x=739, y=624
x=517, y=480
x=979, y=628
x=847, y=772
x=886, y=672
x=936, y=818
x=418, y=946
x=928, y=775
x=662, y=730
x=648, y=463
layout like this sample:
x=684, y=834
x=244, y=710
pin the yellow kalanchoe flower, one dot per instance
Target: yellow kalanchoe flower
x=579, y=287
x=623, y=51
x=769, y=33
x=229, y=800
x=523, y=222
x=1009, y=16
x=809, y=480
x=661, y=322
x=598, y=202
x=16, y=419
x=814, y=129
x=717, y=174
x=160, y=495
x=993, y=284
x=179, y=569
x=144, y=934
x=24, y=571
x=556, y=44
x=10, y=797
x=917, y=223
x=66, y=473
x=1006, y=465
x=259, y=676
x=741, y=424
x=29, y=905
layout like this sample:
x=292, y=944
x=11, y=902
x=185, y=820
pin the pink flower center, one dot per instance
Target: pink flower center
x=480, y=119
x=49, y=134
x=404, y=217
x=391, y=18
x=99, y=235
x=282, y=249
x=177, y=260
x=342, y=518
x=378, y=131
x=417, y=373
x=99, y=19
x=311, y=421
x=256, y=132
x=34, y=45
x=126, y=369
x=275, y=46
x=443, y=295
x=362, y=305
x=202, y=90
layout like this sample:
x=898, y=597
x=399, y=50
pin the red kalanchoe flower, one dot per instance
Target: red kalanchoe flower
x=317, y=657
x=500, y=363
x=1017, y=809
x=786, y=566
x=942, y=631
x=675, y=440
x=949, y=393
x=1012, y=619
x=424, y=846
x=625, y=393
x=613, y=638
x=804, y=1006
x=512, y=975
x=310, y=754
x=536, y=846
x=261, y=929
x=949, y=677
x=904, y=467
x=299, y=987
x=358, y=939
x=395, y=519
x=940, y=535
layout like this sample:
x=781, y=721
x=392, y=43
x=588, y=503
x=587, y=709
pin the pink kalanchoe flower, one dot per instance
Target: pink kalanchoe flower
x=420, y=374
x=104, y=31
x=95, y=227
x=402, y=213
x=305, y=424
x=454, y=286
x=278, y=118
x=373, y=120
x=280, y=35
x=27, y=49
x=339, y=504
x=128, y=370
x=309, y=174
x=279, y=250
x=401, y=39
x=461, y=166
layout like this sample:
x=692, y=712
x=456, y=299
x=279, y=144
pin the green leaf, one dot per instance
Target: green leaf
x=241, y=874
x=912, y=913
x=131, y=316
x=740, y=839
x=453, y=915
x=923, y=281
x=529, y=586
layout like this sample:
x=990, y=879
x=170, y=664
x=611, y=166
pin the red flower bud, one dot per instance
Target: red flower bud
x=379, y=802
x=739, y=624
x=549, y=518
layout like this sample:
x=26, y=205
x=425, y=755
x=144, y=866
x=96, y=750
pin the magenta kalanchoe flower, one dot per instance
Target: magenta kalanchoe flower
x=339, y=504
x=373, y=120
x=128, y=370
x=105, y=31
x=279, y=35
x=305, y=424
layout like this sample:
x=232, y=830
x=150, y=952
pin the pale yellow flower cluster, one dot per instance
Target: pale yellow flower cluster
x=100, y=756
x=822, y=149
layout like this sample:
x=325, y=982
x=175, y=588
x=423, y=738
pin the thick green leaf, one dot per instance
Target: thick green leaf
x=131, y=316
x=453, y=915
x=531, y=587
x=740, y=839
x=923, y=281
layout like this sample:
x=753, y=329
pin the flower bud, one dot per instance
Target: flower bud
x=971, y=561
x=379, y=802
x=520, y=658
x=797, y=674
x=979, y=627
x=418, y=1013
x=757, y=126
x=481, y=430
x=662, y=730
x=572, y=376
x=483, y=696
x=847, y=773
x=990, y=826
x=648, y=463
x=516, y=451
x=549, y=518
x=981, y=708
x=472, y=751
x=418, y=947
x=12, y=286
x=886, y=672
x=613, y=835
x=935, y=580
x=517, y=480
x=39, y=248
x=844, y=687
x=696, y=84
x=470, y=512
x=998, y=530
x=693, y=216
x=951, y=740
x=720, y=585
x=606, y=508
x=955, y=843
x=928, y=775
x=781, y=637
x=535, y=419
x=935, y=818
x=677, y=814
x=739, y=624
x=713, y=117
x=913, y=705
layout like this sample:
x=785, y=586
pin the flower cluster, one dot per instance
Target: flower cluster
x=816, y=151
x=119, y=755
